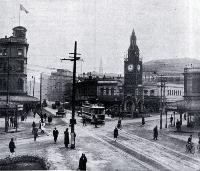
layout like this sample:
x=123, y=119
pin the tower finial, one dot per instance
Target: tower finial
x=101, y=67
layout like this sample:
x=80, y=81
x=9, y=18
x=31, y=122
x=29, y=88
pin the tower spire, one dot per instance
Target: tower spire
x=101, y=67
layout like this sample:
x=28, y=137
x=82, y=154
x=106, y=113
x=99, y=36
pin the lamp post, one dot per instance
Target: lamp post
x=73, y=120
x=162, y=96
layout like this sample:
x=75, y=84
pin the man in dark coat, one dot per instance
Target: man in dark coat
x=143, y=120
x=55, y=134
x=35, y=133
x=155, y=133
x=171, y=120
x=12, y=146
x=84, y=121
x=66, y=139
x=82, y=162
x=115, y=133
x=95, y=121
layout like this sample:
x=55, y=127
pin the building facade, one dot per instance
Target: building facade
x=108, y=91
x=133, y=91
x=13, y=63
x=59, y=85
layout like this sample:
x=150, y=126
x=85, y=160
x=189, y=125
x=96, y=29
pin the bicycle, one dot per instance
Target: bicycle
x=190, y=148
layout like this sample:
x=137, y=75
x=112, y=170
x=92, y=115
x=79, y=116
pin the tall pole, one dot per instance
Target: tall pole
x=7, y=97
x=73, y=120
x=161, y=106
x=73, y=98
x=33, y=86
x=19, y=14
x=40, y=92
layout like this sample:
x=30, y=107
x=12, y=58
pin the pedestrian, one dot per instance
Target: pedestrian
x=11, y=121
x=49, y=119
x=55, y=134
x=115, y=133
x=42, y=127
x=82, y=162
x=171, y=120
x=66, y=139
x=143, y=120
x=84, y=121
x=45, y=116
x=178, y=125
x=35, y=133
x=95, y=121
x=33, y=126
x=12, y=147
x=119, y=124
x=155, y=133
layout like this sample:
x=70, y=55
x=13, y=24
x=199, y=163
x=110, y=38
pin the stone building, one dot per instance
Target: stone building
x=13, y=53
x=108, y=91
x=133, y=91
x=59, y=85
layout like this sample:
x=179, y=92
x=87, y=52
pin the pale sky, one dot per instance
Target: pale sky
x=102, y=28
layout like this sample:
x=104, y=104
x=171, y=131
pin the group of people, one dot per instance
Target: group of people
x=82, y=160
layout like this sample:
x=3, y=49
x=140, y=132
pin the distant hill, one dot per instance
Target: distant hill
x=175, y=65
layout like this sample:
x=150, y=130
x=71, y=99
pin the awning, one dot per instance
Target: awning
x=186, y=105
x=20, y=99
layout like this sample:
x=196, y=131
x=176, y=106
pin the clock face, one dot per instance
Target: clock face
x=138, y=67
x=130, y=67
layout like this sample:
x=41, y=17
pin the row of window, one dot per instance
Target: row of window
x=3, y=52
x=174, y=92
x=169, y=92
x=16, y=66
x=3, y=84
x=107, y=91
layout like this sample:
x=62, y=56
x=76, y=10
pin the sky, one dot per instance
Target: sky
x=102, y=29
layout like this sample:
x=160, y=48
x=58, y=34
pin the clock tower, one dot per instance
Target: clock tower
x=133, y=91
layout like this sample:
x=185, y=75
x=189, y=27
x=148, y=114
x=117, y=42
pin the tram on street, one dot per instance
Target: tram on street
x=93, y=110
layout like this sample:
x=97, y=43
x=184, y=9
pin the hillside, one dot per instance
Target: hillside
x=175, y=65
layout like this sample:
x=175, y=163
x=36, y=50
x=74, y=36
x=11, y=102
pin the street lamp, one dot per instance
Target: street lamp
x=73, y=120
x=162, y=96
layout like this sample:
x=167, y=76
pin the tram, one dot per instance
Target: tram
x=91, y=111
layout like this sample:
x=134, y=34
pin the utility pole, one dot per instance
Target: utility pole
x=161, y=97
x=33, y=86
x=7, y=97
x=73, y=120
x=40, y=92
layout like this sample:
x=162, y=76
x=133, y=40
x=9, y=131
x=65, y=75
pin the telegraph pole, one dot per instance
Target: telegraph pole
x=161, y=104
x=40, y=92
x=73, y=120
x=33, y=86
x=7, y=97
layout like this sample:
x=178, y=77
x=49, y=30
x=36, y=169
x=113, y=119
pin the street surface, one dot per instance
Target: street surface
x=134, y=149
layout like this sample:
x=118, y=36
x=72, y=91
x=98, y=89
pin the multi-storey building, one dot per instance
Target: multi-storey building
x=108, y=91
x=13, y=63
x=59, y=85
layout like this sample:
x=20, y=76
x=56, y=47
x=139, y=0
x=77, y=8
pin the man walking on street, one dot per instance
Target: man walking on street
x=66, y=139
x=155, y=133
x=95, y=121
x=115, y=133
x=12, y=147
x=55, y=134
x=35, y=133
x=82, y=162
x=171, y=120
x=84, y=121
